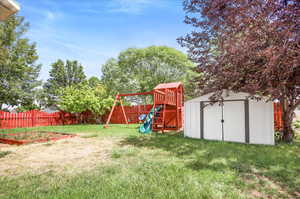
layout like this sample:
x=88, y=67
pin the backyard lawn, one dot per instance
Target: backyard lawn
x=120, y=163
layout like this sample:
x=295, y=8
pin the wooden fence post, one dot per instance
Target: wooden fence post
x=1, y=119
x=32, y=118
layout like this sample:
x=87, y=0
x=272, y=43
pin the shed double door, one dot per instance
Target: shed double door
x=224, y=121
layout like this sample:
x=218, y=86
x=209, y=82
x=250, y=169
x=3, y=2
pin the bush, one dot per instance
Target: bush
x=296, y=124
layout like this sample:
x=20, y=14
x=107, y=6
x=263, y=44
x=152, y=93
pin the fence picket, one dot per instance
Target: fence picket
x=278, y=116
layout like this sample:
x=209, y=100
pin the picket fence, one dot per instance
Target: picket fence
x=35, y=118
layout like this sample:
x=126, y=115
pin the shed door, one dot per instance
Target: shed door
x=212, y=126
x=234, y=121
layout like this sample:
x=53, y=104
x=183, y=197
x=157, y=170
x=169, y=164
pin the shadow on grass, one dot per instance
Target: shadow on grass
x=280, y=163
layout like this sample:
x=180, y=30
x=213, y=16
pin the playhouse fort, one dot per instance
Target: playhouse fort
x=167, y=109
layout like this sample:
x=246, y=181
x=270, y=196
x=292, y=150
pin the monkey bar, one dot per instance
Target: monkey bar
x=135, y=94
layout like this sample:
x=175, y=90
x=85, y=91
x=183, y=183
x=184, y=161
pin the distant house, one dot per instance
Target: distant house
x=8, y=8
x=50, y=109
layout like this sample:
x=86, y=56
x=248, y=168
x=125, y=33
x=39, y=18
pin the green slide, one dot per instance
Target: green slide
x=146, y=127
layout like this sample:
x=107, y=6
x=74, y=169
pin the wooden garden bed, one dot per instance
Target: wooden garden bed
x=32, y=137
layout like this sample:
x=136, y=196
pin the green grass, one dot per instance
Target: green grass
x=84, y=130
x=4, y=153
x=296, y=124
x=168, y=166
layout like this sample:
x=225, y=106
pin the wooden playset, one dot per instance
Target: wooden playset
x=167, y=111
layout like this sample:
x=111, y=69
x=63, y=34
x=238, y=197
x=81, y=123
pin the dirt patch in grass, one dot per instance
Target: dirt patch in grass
x=275, y=186
x=3, y=145
x=68, y=156
x=34, y=135
x=269, y=184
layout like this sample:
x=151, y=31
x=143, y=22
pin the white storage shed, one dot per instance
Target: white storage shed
x=236, y=119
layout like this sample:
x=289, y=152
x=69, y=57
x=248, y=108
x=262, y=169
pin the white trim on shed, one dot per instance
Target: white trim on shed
x=236, y=119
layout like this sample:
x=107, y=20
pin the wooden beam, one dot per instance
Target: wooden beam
x=134, y=94
x=111, y=112
x=124, y=114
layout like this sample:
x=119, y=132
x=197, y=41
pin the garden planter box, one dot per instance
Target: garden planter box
x=32, y=137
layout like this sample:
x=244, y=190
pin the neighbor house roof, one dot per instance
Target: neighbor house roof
x=168, y=85
x=7, y=8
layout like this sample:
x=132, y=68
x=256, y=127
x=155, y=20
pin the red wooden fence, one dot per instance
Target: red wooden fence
x=38, y=118
x=35, y=118
x=278, y=116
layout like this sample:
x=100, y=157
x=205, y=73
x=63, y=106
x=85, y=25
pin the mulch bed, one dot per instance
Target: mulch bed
x=32, y=137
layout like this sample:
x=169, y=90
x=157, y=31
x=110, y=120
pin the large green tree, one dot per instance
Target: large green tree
x=62, y=75
x=18, y=68
x=94, y=81
x=141, y=69
x=84, y=97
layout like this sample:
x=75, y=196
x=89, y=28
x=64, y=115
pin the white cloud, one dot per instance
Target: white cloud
x=129, y=6
x=79, y=50
x=45, y=14
x=50, y=15
x=113, y=6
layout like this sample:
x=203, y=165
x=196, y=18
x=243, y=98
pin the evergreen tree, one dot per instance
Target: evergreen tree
x=18, y=68
x=62, y=75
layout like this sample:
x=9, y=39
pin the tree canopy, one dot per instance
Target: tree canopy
x=62, y=75
x=80, y=98
x=94, y=81
x=250, y=46
x=141, y=69
x=18, y=68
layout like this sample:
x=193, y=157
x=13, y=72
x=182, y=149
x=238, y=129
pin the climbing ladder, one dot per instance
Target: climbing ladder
x=165, y=102
x=159, y=117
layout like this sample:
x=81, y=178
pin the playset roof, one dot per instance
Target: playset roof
x=168, y=85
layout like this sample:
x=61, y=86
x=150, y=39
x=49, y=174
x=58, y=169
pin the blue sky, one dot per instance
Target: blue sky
x=92, y=31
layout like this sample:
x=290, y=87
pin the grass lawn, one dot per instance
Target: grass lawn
x=164, y=166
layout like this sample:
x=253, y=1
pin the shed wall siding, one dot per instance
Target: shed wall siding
x=261, y=122
x=212, y=126
x=234, y=125
x=187, y=119
x=192, y=120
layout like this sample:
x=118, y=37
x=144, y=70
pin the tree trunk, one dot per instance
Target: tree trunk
x=98, y=119
x=82, y=120
x=287, y=118
x=78, y=118
x=288, y=133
